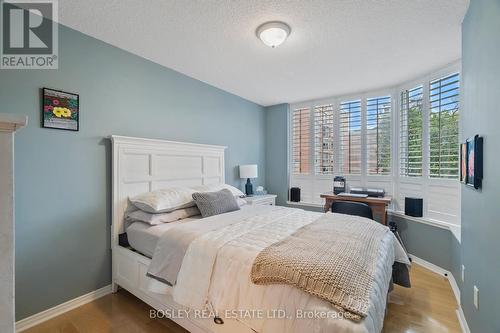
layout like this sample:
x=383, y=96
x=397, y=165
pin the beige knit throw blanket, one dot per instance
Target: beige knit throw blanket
x=333, y=258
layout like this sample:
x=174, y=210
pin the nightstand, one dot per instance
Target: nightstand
x=267, y=199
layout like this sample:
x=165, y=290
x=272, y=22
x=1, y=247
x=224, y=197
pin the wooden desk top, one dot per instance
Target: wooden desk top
x=384, y=200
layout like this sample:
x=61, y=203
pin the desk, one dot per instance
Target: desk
x=378, y=205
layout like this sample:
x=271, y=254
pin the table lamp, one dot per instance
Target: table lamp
x=248, y=171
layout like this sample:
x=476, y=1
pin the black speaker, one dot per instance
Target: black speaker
x=295, y=194
x=414, y=207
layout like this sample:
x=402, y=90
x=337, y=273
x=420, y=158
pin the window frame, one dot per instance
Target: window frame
x=291, y=142
x=313, y=127
x=459, y=129
x=399, y=151
x=340, y=102
x=391, y=99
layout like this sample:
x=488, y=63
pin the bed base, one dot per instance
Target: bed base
x=130, y=270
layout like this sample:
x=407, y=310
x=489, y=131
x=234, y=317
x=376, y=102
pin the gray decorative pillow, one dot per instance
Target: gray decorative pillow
x=215, y=203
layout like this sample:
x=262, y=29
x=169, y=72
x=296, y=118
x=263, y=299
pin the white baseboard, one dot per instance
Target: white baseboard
x=57, y=310
x=430, y=266
x=453, y=283
x=454, y=287
x=462, y=320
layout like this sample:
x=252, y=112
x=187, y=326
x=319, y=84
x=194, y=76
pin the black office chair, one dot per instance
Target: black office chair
x=352, y=208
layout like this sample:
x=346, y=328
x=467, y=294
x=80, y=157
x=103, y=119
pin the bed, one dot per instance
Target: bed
x=143, y=237
x=216, y=267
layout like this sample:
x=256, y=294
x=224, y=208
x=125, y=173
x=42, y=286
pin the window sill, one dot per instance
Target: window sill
x=453, y=228
x=304, y=204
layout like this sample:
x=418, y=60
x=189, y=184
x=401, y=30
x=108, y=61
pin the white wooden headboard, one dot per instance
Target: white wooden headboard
x=142, y=165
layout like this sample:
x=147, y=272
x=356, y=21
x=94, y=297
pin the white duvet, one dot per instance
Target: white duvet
x=215, y=273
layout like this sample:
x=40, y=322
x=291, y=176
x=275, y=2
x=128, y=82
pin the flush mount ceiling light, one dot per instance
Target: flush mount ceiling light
x=273, y=33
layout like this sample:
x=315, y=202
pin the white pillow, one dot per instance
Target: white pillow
x=154, y=219
x=173, y=198
x=164, y=200
x=217, y=187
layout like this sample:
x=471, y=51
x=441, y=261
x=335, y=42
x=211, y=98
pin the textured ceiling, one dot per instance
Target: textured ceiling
x=336, y=46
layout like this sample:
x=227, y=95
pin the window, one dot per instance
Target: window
x=323, y=139
x=410, y=132
x=353, y=137
x=378, y=135
x=350, y=137
x=443, y=127
x=300, y=141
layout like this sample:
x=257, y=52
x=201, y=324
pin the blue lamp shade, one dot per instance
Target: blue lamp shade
x=248, y=171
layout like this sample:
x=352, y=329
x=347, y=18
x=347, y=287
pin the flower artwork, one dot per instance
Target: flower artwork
x=60, y=110
x=470, y=160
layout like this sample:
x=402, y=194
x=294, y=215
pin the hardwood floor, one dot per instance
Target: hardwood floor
x=428, y=307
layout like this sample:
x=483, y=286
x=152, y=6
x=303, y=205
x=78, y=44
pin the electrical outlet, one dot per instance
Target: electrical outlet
x=476, y=297
x=463, y=273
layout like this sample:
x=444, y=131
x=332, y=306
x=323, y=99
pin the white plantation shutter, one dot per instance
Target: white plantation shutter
x=350, y=137
x=443, y=127
x=301, y=141
x=410, y=130
x=323, y=139
x=378, y=135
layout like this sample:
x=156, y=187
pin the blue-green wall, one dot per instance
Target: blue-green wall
x=427, y=242
x=435, y=245
x=277, y=152
x=481, y=209
x=456, y=261
x=63, y=178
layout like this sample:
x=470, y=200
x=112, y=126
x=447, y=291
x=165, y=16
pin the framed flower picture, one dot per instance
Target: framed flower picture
x=60, y=110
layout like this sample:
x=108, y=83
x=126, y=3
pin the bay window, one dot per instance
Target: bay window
x=411, y=152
